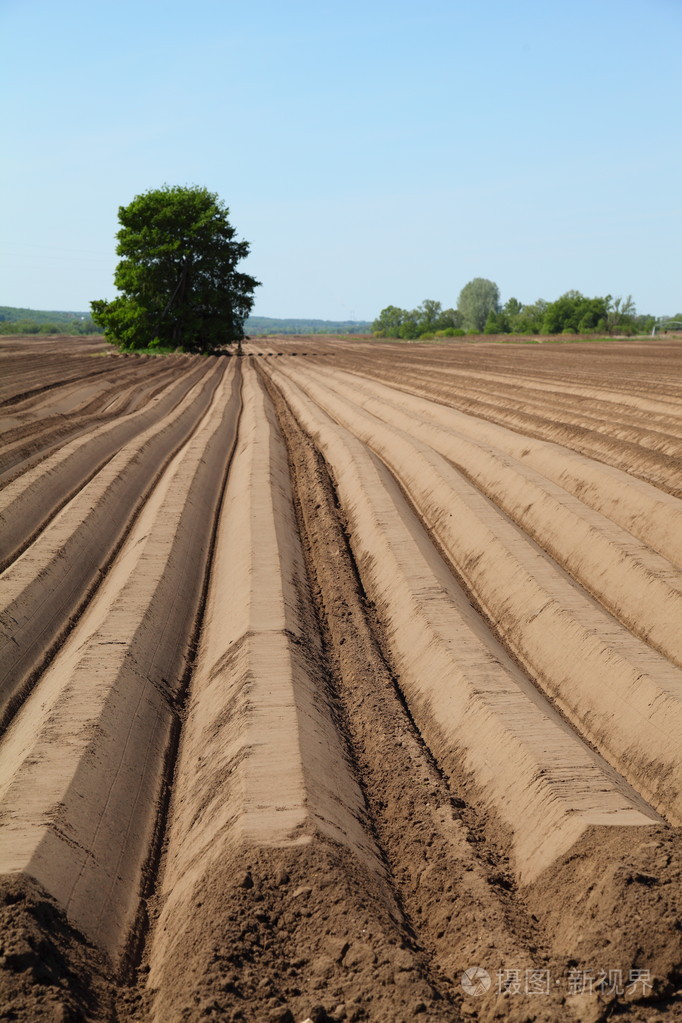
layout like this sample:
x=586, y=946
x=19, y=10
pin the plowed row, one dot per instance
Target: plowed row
x=332, y=672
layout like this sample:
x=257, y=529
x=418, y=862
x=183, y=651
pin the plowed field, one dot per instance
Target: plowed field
x=340, y=682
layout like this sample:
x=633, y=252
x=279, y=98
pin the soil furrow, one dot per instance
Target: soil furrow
x=582, y=918
x=32, y=441
x=637, y=586
x=645, y=512
x=313, y=683
x=14, y=399
x=44, y=591
x=446, y=884
x=109, y=697
x=658, y=469
x=561, y=637
x=120, y=393
x=611, y=414
x=273, y=896
x=433, y=625
x=27, y=504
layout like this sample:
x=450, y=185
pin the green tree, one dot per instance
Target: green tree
x=389, y=321
x=449, y=319
x=410, y=328
x=426, y=319
x=477, y=300
x=622, y=317
x=513, y=308
x=574, y=313
x=531, y=317
x=177, y=276
x=497, y=323
x=428, y=316
x=431, y=317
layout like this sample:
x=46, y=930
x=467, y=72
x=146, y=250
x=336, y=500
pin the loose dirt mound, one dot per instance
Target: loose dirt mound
x=48, y=971
x=327, y=679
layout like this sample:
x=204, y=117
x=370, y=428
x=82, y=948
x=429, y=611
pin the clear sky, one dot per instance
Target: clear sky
x=373, y=152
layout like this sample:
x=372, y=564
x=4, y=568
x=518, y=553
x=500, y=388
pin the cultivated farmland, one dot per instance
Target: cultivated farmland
x=337, y=670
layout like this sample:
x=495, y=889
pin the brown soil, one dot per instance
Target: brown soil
x=338, y=670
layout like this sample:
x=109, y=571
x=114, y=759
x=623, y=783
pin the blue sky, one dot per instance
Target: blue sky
x=372, y=152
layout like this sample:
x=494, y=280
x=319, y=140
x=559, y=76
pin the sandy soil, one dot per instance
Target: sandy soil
x=330, y=673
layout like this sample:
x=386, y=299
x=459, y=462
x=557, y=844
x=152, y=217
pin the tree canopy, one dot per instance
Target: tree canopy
x=479, y=311
x=426, y=319
x=177, y=277
x=573, y=312
x=477, y=300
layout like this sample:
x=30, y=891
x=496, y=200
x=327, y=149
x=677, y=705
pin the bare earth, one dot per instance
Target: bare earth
x=330, y=673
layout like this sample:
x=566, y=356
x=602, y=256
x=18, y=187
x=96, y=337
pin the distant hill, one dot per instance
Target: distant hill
x=39, y=321
x=265, y=325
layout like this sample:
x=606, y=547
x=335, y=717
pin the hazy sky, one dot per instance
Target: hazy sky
x=373, y=153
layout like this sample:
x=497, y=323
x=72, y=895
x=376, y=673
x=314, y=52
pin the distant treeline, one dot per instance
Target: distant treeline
x=479, y=311
x=264, y=325
x=39, y=321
